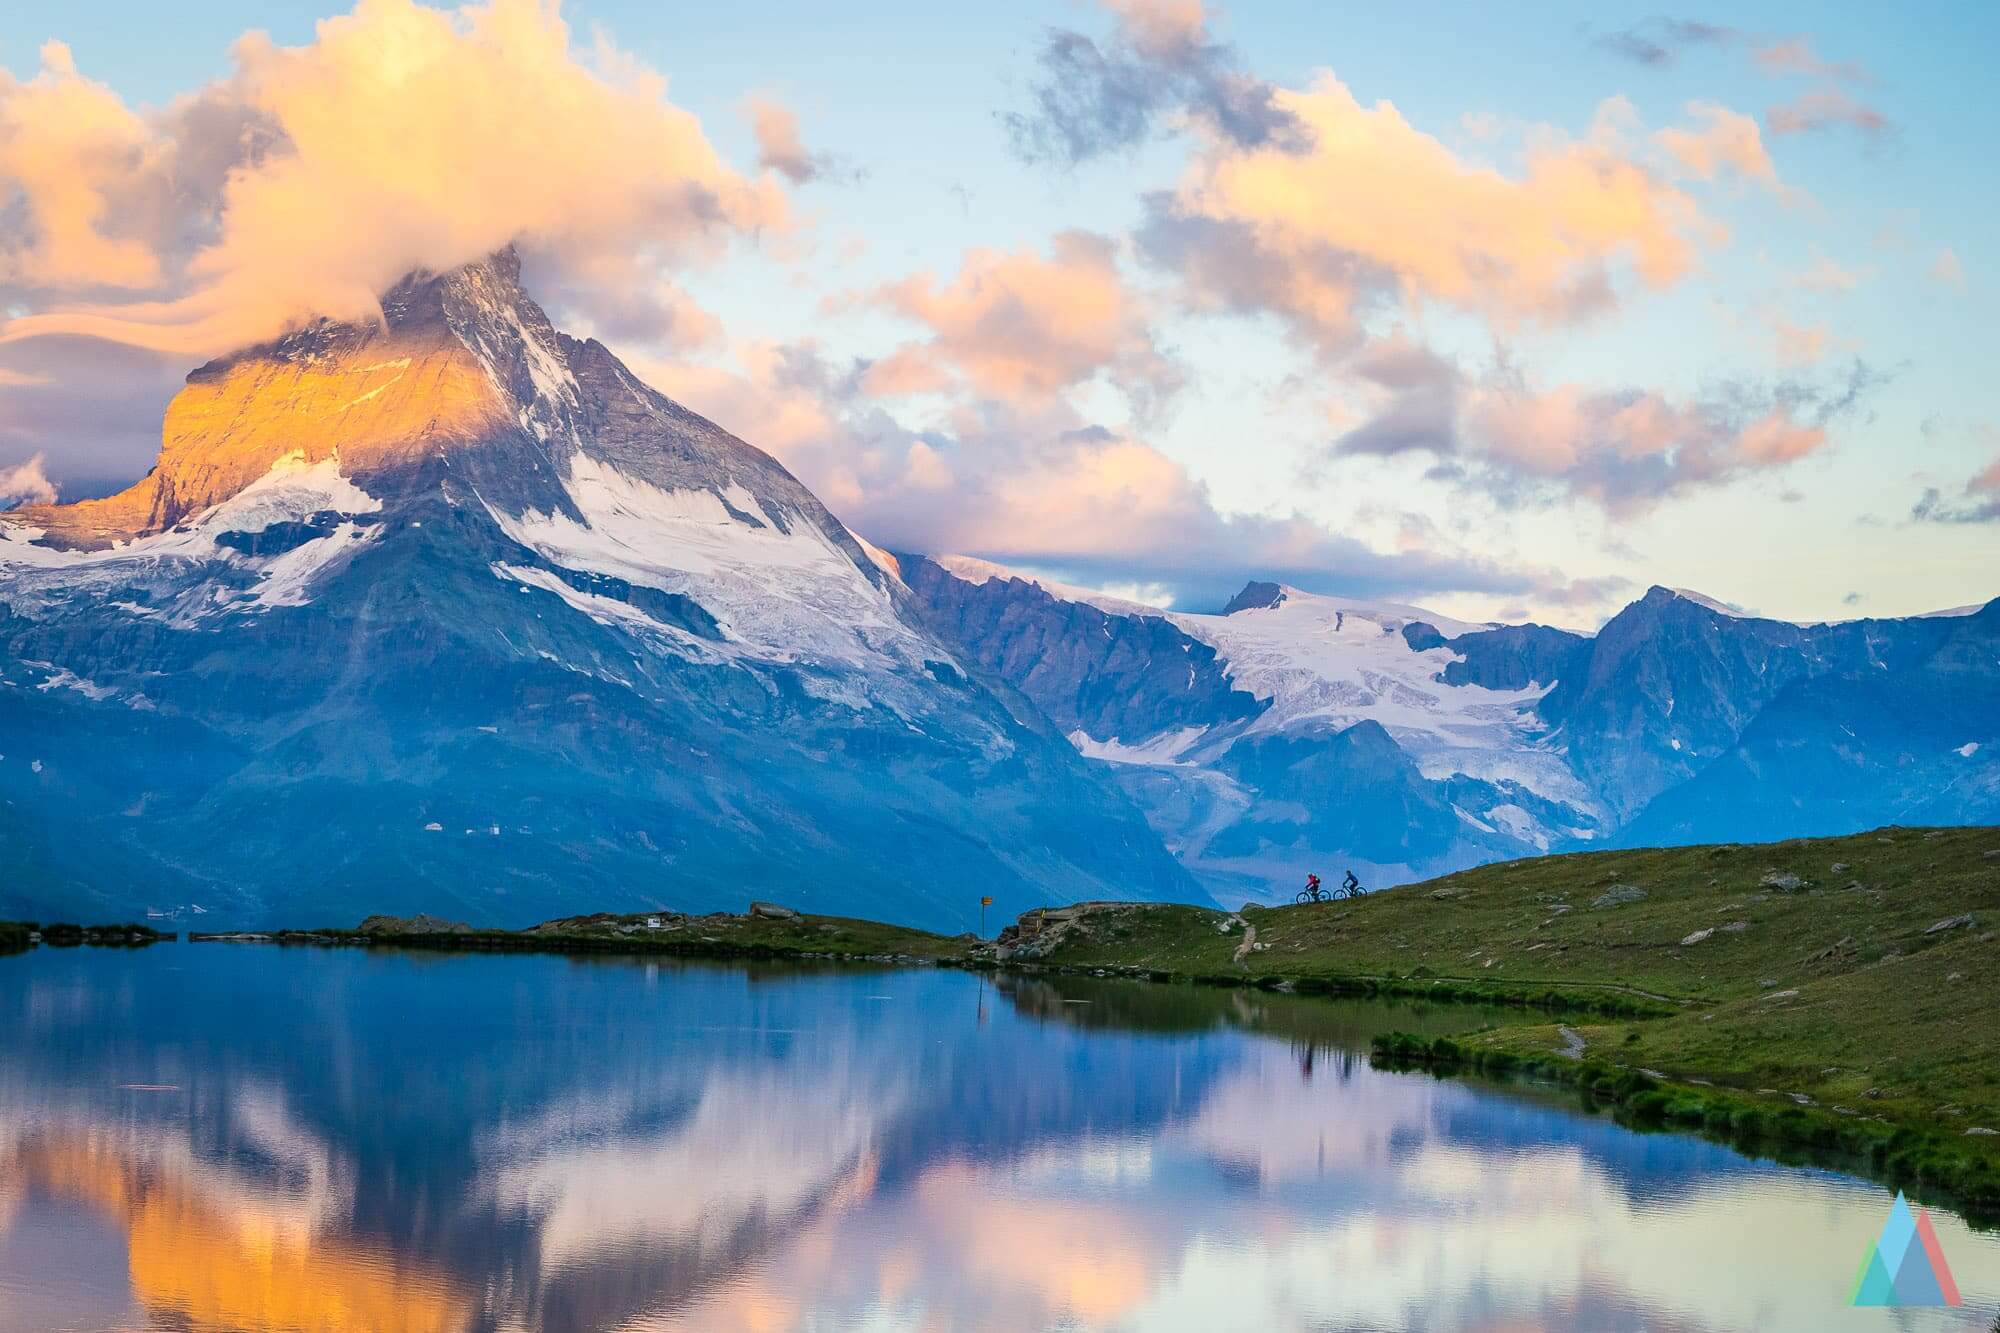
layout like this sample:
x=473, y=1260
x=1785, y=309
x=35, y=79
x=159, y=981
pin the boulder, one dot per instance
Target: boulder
x=1699, y=936
x=1618, y=895
x=773, y=912
x=1964, y=921
x=1781, y=881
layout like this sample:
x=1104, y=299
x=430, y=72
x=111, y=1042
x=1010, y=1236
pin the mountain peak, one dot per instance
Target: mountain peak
x=1256, y=596
x=1707, y=603
x=1660, y=597
x=450, y=568
x=458, y=359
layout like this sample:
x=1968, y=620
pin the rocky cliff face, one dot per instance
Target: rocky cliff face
x=1896, y=722
x=1670, y=684
x=1103, y=675
x=455, y=614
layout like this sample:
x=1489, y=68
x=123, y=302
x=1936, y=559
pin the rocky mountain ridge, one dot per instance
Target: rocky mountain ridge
x=1295, y=732
x=454, y=614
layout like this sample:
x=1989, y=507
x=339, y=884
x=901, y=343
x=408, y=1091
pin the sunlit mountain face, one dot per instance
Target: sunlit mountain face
x=489, y=1144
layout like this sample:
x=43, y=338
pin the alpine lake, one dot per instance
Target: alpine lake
x=253, y=1137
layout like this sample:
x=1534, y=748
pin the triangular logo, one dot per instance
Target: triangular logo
x=1906, y=1266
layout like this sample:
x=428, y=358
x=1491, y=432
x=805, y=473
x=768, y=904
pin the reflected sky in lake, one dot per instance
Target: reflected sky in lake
x=233, y=1137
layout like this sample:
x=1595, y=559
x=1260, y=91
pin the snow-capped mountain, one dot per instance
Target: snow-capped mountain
x=453, y=613
x=1296, y=732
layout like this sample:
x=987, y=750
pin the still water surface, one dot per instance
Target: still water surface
x=216, y=1137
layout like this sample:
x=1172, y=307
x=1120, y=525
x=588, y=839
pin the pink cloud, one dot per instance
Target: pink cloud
x=1796, y=56
x=1947, y=269
x=67, y=144
x=1627, y=447
x=1020, y=326
x=1801, y=345
x=1373, y=209
x=26, y=484
x=1726, y=141
x=1161, y=27
x=1620, y=449
x=1037, y=485
x=485, y=128
x=1827, y=108
x=779, y=147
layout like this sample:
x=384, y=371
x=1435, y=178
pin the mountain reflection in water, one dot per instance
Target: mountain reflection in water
x=222, y=1138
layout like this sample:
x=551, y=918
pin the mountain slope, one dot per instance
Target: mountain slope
x=1292, y=732
x=455, y=614
x=1297, y=732
x=1841, y=751
x=1673, y=680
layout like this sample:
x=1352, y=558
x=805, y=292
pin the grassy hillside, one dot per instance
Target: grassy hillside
x=1865, y=974
x=1842, y=980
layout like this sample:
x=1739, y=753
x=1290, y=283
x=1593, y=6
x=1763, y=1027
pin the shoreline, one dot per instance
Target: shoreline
x=1929, y=1164
x=1833, y=996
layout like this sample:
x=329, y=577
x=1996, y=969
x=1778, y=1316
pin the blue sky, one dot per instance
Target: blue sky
x=1762, y=425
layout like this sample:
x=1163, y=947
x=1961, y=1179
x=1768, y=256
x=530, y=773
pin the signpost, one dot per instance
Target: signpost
x=985, y=902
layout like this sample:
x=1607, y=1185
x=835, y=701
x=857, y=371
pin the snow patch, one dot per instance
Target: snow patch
x=1517, y=822
x=64, y=679
x=607, y=611
x=1719, y=607
x=1331, y=661
x=883, y=561
x=1164, y=749
x=292, y=491
x=973, y=570
x=781, y=596
x=288, y=577
x=1326, y=663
